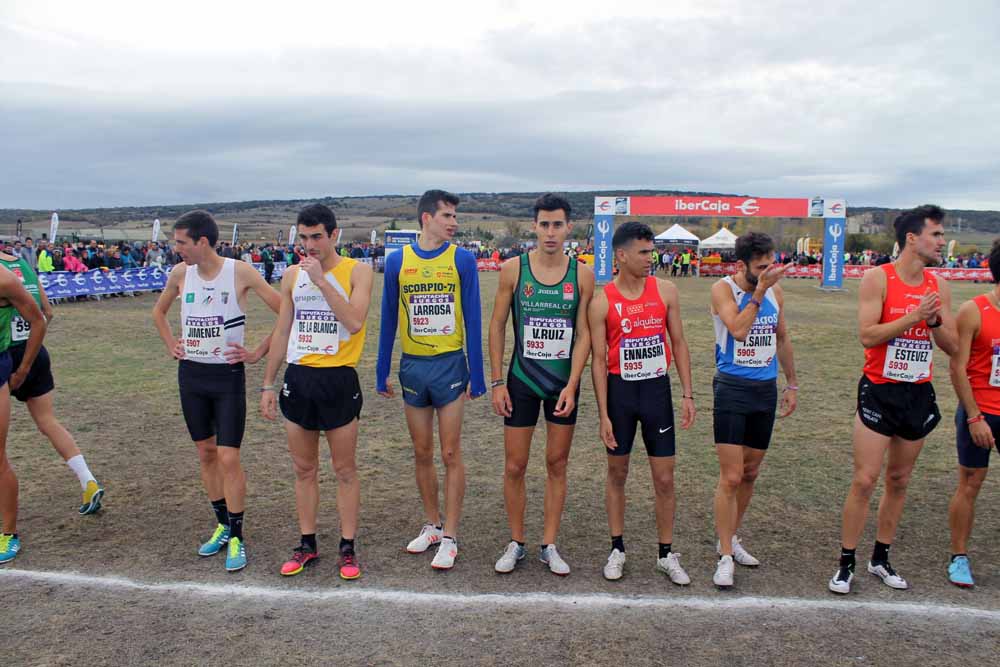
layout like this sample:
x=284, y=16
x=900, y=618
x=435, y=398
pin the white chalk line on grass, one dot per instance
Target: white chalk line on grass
x=578, y=600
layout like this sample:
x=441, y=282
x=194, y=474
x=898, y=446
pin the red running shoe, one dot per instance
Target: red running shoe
x=301, y=557
x=349, y=568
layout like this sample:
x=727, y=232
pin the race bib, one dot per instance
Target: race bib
x=759, y=348
x=432, y=314
x=642, y=358
x=995, y=369
x=908, y=360
x=316, y=332
x=20, y=329
x=204, y=337
x=548, y=338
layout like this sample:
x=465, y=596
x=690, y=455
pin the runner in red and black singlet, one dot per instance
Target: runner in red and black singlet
x=902, y=308
x=630, y=321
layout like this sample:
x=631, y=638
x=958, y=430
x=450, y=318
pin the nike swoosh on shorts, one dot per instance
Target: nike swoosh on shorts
x=664, y=430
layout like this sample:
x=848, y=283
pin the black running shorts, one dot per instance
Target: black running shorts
x=526, y=405
x=904, y=409
x=214, y=401
x=744, y=410
x=641, y=402
x=320, y=399
x=39, y=381
x=970, y=455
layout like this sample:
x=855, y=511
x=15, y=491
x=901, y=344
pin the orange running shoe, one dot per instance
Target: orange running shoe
x=301, y=557
x=349, y=568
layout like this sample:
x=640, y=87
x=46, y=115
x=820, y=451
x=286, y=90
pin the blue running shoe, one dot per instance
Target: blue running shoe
x=9, y=546
x=959, y=572
x=215, y=543
x=236, y=557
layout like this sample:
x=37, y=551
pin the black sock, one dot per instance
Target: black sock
x=617, y=543
x=847, y=557
x=221, y=513
x=439, y=526
x=236, y=525
x=448, y=537
x=544, y=547
x=520, y=544
x=954, y=556
x=11, y=534
x=309, y=541
x=881, y=552
x=346, y=543
x=665, y=549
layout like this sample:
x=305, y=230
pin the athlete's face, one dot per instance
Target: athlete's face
x=635, y=257
x=191, y=251
x=316, y=242
x=929, y=243
x=551, y=229
x=756, y=267
x=443, y=224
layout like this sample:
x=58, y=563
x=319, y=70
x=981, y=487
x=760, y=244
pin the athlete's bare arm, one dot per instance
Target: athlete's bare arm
x=279, y=344
x=581, y=348
x=169, y=294
x=352, y=313
x=18, y=297
x=678, y=345
x=47, y=310
x=790, y=394
x=969, y=322
x=509, y=271
x=596, y=317
x=249, y=278
x=946, y=335
x=871, y=296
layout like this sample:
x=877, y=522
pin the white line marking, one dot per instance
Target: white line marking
x=583, y=600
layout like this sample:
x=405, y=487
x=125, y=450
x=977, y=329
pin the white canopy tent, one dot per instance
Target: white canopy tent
x=720, y=240
x=677, y=235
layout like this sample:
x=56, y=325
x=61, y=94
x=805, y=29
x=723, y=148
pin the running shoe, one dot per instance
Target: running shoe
x=301, y=557
x=556, y=564
x=740, y=555
x=236, y=557
x=615, y=567
x=671, y=565
x=9, y=546
x=219, y=539
x=429, y=536
x=841, y=582
x=511, y=555
x=348, y=564
x=446, y=554
x=91, y=498
x=888, y=575
x=959, y=572
x=723, y=577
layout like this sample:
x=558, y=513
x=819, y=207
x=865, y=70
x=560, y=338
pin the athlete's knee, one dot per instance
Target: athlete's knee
x=229, y=460
x=48, y=426
x=423, y=456
x=346, y=473
x=750, y=473
x=618, y=475
x=663, y=483
x=208, y=453
x=451, y=457
x=555, y=466
x=515, y=470
x=729, y=480
x=970, y=482
x=305, y=471
x=897, y=479
x=864, y=482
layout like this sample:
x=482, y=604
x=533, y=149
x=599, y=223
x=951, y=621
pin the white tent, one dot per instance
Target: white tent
x=720, y=240
x=679, y=236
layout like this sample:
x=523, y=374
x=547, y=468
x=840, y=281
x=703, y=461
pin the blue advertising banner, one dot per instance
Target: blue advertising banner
x=604, y=227
x=66, y=284
x=833, y=252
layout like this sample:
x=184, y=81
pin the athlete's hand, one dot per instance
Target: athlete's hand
x=269, y=405
x=772, y=275
x=313, y=269
x=566, y=402
x=502, y=405
x=688, y=413
x=789, y=401
x=389, y=391
x=982, y=434
x=929, y=308
x=237, y=353
x=608, y=434
x=16, y=378
x=178, y=351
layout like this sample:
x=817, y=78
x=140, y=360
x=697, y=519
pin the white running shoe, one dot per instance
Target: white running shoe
x=556, y=564
x=740, y=555
x=446, y=554
x=841, y=582
x=429, y=536
x=888, y=575
x=615, y=567
x=508, y=561
x=723, y=577
x=671, y=565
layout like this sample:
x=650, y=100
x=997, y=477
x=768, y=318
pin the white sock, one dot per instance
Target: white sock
x=79, y=466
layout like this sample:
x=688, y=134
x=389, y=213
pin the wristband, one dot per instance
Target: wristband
x=691, y=397
x=267, y=387
x=497, y=383
x=756, y=302
x=940, y=321
x=791, y=387
x=978, y=418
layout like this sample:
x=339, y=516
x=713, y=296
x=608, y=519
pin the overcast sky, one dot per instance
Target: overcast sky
x=124, y=103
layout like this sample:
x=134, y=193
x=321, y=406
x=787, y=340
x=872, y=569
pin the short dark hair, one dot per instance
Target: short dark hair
x=753, y=244
x=27, y=238
x=551, y=202
x=913, y=221
x=317, y=214
x=199, y=224
x=631, y=231
x=431, y=200
x=994, y=261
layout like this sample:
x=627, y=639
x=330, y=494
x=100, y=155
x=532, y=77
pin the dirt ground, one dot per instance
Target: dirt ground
x=117, y=392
